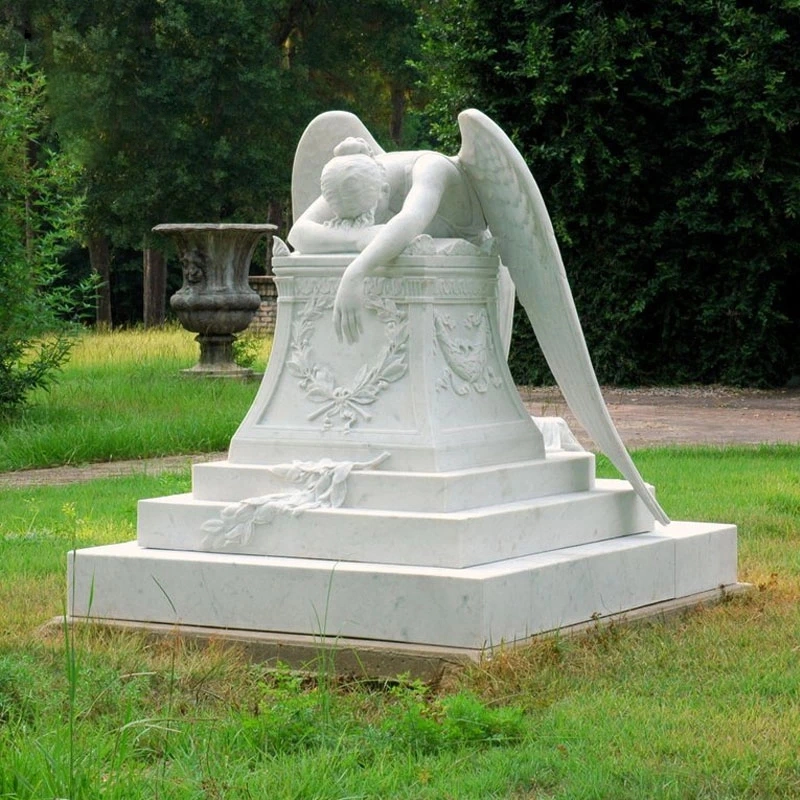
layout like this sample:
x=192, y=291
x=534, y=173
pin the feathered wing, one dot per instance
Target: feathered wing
x=519, y=221
x=315, y=149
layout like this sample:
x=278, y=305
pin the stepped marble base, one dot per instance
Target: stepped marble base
x=473, y=607
x=396, y=490
x=456, y=539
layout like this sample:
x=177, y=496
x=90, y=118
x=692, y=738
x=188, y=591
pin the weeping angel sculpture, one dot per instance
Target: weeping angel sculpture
x=375, y=204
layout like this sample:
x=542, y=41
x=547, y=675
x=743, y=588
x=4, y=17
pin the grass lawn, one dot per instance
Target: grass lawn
x=121, y=395
x=702, y=706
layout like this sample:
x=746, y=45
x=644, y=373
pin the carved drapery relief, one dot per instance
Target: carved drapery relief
x=432, y=288
x=466, y=354
x=320, y=484
x=424, y=245
x=346, y=404
x=279, y=247
x=405, y=289
x=312, y=288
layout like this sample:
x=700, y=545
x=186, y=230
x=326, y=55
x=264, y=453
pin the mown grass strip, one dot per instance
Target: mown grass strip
x=703, y=706
x=122, y=396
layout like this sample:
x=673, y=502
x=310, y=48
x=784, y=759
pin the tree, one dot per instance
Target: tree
x=361, y=57
x=178, y=111
x=191, y=110
x=39, y=214
x=664, y=137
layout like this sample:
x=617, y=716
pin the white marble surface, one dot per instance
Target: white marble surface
x=378, y=205
x=703, y=561
x=387, y=482
x=427, y=382
x=471, y=607
x=455, y=539
x=391, y=490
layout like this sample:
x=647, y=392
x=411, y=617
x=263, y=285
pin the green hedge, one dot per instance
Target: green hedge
x=664, y=137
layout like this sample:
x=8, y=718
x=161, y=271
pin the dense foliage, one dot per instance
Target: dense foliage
x=174, y=109
x=665, y=139
x=191, y=110
x=39, y=211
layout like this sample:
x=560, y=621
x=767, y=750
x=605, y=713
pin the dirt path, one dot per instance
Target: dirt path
x=687, y=415
x=59, y=476
x=644, y=417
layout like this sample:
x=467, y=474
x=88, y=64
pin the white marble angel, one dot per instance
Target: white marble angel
x=375, y=204
x=349, y=196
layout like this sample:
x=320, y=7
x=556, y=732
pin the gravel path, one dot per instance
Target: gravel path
x=644, y=417
x=59, y=476
x=712, y=415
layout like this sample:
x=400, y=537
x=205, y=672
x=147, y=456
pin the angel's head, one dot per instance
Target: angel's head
x=354, y=184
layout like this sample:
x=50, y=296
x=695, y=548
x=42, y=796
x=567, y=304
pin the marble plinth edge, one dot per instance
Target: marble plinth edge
x=455, y=539
x=474, y=608
x=379, y=660
x=244, y=374
x=387, y=489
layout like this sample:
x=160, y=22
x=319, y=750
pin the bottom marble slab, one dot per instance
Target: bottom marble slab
x=374, y=659
x=474, y=607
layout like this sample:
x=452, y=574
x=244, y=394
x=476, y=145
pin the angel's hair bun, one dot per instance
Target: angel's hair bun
x=352, y=146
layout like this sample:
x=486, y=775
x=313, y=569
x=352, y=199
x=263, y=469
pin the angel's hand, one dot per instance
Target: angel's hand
x=347, y=307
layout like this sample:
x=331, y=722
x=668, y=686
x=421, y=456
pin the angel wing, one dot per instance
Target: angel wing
x=518, y=220
x=315, y=149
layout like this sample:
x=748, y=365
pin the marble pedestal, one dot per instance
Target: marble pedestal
x=396, y=491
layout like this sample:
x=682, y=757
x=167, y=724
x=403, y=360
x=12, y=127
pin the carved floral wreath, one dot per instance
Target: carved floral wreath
x=346, y=403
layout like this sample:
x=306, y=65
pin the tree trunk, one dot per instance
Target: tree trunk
x=100, y=259
x=398, y=94
x=155, y=288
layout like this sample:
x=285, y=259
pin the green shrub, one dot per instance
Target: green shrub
x=39, y=210
x=247, y=348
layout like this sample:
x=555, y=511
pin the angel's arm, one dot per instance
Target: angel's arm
x=430, y=177
x=310, y=235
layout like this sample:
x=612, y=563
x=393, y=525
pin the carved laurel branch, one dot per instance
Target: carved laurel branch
x=346, y=403
x=322, y=484
x=467, y=359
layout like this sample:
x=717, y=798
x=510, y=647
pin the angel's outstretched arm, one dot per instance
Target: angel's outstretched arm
x=430, y=178
x=310, y=235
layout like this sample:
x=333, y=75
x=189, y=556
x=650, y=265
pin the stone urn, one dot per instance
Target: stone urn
x=215, y=301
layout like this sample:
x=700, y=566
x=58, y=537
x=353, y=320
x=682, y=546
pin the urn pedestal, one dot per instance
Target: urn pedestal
x=215, y=301
x=396, y=492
